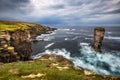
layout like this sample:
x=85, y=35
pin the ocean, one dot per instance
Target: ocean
x=74, y=44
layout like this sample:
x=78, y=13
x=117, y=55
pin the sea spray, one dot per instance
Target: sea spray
x=105, y=63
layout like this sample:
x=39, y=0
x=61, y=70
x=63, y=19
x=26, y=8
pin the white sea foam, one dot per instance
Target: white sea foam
x=84, y=44
x=82, y=30
x=62, y=52
x=102, y=63
x=110, y=37
x=73, y=29
x=89, y=38
x=45, y=37
x=66, y=39
x=108, y=32
x=66, y=29
x=74, y=38
x=73, y=33
x=91, y=35
x=47, y=46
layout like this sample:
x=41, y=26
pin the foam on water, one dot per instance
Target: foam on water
x=73, y=33
x=89, y=38
x=62, y=52
x=45, y=37
x=47, y=46
x=107, y=63
x=82, y=30
x=108, y=32
x=66, y=39
x=74, y=38
x=102, y=63
x=110, y=37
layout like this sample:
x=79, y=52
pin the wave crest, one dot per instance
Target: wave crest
x=101, y=63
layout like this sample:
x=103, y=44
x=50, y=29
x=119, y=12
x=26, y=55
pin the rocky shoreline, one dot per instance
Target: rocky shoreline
x=48, y=67
x=16, y=45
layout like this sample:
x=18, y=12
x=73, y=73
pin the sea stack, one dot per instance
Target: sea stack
x=98, y=37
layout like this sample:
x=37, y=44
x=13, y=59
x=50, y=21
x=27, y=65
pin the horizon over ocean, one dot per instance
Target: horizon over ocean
x=74, y=44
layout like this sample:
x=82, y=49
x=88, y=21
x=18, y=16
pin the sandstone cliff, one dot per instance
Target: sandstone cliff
x=15, y=39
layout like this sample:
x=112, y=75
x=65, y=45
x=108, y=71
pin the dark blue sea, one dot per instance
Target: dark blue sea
x=74, y=44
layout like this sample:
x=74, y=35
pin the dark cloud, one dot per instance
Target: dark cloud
x=13, y=9
x=12, y=4
x=61, y=6
x=53, y=19
x=62, y=11
x=117, y=11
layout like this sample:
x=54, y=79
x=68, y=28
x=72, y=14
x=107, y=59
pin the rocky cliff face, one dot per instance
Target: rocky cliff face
x=20, y=40
x=7, y=53
x=98, y=37
x=16, y=45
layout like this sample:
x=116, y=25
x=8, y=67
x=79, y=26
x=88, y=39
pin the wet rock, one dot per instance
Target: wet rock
x=98, y=37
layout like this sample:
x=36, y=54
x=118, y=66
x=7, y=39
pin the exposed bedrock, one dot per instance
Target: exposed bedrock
x=20, y=40
x=16, y=45
x=98, y=37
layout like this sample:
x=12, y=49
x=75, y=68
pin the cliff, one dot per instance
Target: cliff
x=15, y=39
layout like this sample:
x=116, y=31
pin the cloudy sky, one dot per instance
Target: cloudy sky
x=62, y=12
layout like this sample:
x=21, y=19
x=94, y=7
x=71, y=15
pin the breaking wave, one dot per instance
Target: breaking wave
x=101, y=63
x=110, y=37
x=74, y=38
x=108, y=32
x=45, y=37
x=47, y=46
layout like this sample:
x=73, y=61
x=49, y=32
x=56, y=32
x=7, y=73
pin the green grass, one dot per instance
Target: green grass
x=35, y=67
x=12, y=25
x=42, y=66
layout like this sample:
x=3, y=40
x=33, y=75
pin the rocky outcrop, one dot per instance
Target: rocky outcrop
x=20, y=40
x=98, y=37
x=7, y=53
x=16, y=45
x=38, y=30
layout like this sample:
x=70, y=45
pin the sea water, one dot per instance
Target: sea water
x=74, y=44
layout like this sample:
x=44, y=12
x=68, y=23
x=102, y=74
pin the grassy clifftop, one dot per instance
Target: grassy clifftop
x=47, y=68
x=18, y=36
x=14, y=25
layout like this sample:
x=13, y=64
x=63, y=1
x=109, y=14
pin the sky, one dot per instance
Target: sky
x=62, y=12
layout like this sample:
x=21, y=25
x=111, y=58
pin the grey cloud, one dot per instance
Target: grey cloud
x=12, y=4
x=73, y=2
x=72, y=11
x=102, y=7
x=13, y=9
x=117, y=11
x=61, y=6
